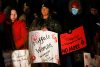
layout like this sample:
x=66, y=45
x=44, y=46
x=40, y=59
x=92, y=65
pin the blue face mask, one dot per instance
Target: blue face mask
x=74, y=11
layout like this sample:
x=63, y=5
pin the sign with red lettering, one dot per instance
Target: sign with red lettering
x=74, y=41
x=43, y=46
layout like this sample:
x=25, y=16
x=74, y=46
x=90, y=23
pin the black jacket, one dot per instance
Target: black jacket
x=50, y=24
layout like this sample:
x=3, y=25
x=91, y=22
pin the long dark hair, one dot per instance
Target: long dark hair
x=16, y=12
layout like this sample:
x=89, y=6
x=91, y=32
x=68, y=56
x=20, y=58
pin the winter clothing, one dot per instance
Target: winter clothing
x=2, y=17
x=9, y=42
x=2, y=40
x=49, y=23
x=20, y=33
x=73, y=21
x=75, y=58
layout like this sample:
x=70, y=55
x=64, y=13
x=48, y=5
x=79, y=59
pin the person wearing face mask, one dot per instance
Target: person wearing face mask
x=74, y=20
x=75, y=15
x=74, y=11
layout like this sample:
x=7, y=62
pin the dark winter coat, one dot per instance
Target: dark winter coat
x=50, y=24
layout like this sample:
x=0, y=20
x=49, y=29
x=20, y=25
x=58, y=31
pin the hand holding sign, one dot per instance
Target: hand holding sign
x=44, y=29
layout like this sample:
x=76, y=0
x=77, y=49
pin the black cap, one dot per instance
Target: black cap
x=46, y=5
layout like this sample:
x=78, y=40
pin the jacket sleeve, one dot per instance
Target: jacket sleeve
x=23, y=36
x=2, y=18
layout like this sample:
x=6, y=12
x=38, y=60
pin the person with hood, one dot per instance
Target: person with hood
x=75, y=16
x=74, y=20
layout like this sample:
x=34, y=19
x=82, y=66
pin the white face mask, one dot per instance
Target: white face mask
x=74, y=11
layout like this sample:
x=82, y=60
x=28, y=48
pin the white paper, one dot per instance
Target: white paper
x=43, y=46
x=87, y=60
x=20, y=58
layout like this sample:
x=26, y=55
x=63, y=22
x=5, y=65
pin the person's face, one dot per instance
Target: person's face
x=44, y=11
x=26, y=8
x=35, y=15
x=74, y=9
x=93, y=11
x=13, y=15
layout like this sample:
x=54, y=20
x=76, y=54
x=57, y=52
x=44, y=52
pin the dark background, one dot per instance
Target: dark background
x=60, y=6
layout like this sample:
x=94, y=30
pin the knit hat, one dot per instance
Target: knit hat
x=75, y=4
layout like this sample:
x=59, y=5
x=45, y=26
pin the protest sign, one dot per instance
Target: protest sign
x=73, y=41
x=87, y=60
x=43, y=46
x=20, y=58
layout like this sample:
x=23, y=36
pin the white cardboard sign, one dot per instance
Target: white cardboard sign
x=43, y=46
x=20, y=58
x=87, y=60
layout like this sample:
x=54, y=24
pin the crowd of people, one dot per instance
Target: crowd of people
x=15, y=26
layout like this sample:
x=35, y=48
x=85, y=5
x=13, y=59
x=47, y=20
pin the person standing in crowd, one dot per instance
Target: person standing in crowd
x=96, y=60
x=19, y=31
x=74, y=20
x=34, y=22
x=26, y=15
x=9, y=42
x=92, y=17
x=75, y=13
x=45, y=23
x=2, y=20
